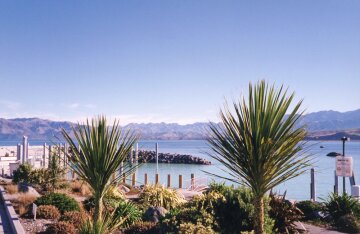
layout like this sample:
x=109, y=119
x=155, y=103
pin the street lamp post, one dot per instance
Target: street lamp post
x=343, y=140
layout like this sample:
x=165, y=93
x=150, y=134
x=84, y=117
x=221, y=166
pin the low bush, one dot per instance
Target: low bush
x=61, y=228
x=80, y=187
x=190, y=228
x=11, y=188
x=309, y=209
x=128, y=212
x=22, y=174
x=77, y=218
x=348, y=223
x=47, y=212
x=142, y=228
x=62, y=201
x=284, y=213
x=23, y=203
x=341, y=205
x=157, y=195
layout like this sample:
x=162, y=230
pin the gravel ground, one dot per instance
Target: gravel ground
x=35, y=226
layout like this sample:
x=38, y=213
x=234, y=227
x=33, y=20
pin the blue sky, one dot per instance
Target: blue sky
x=173, y=61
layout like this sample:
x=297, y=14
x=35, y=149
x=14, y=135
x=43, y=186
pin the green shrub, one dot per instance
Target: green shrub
x=47, y=212
x=157, y=195
x=339, y=206
x=235, y=213
x=142, y=228
x=190, y=228
x=284, y=213
x=348, y=223
x=62, y=201
x=61, y=228
x=23, y=173
x=76, y=218
x=128, y=212
x=309, y=208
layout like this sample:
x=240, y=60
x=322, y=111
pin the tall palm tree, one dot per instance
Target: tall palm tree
x=97, y=153
x=260, y=143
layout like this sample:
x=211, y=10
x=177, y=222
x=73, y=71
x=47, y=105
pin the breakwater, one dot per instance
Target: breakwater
x=147, y=156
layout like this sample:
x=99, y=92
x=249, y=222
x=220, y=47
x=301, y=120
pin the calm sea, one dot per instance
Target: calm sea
x=297, y=188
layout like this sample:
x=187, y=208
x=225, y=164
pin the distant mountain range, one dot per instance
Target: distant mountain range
x=323, y=125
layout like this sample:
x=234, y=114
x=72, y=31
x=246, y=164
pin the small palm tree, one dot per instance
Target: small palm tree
x=259, y=143
x=100, y=153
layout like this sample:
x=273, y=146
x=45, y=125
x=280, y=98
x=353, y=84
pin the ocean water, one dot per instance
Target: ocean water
x=297, y=188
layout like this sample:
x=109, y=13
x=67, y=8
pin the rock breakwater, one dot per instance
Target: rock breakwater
x=150, y=157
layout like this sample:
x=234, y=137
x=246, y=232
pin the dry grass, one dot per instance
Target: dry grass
x=23, y=203
x=81, y=188
x=11, y=188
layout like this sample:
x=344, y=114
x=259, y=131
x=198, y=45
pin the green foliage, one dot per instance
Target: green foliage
x=97, y=151
x=158, y=195
x=128, y=212
x=348, y=223
x=186, y=214
x=341, y=205
x=23, y=173
x=309, y=208
x=61, y=228
x=190, y=228
x=284, y=213
x=55, y=172
x=62, y=201
x=260, y=142
x=91, y=227
x=47, y=212
x=142, y=228
x=76, y=218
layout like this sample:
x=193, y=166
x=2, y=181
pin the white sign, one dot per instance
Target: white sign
x=344, y=166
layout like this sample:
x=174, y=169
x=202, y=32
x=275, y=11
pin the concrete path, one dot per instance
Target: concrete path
x=4, y=222
x=311, y=229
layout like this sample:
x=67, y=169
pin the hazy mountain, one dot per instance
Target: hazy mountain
x=323, y=125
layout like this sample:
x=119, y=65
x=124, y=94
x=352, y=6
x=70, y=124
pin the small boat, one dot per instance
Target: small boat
x=321, y=146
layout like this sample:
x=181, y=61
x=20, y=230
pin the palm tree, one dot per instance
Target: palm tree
x=259, y=143
x=100, y=152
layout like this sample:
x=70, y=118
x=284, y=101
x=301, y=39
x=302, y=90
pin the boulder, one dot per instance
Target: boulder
x=153, y=214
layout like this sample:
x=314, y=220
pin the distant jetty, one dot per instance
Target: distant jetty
x=150, y=157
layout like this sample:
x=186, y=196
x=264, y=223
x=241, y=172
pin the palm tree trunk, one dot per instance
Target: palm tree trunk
x=98, y=210
x=259, y=215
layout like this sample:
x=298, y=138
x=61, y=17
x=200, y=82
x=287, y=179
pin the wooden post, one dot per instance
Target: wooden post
x=312, y=186
x=156, y=178
x=133, y=179
x=146, y=179
x=124, y=178
x=180, y=181
x=336, y=186
x=50, y=154
x=192, y=181
x=169, y=181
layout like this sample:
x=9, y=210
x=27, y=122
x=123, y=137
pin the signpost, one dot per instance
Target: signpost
x=344, y=166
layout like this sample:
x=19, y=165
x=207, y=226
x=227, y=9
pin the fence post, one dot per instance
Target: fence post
x=124, y=178
x=146, y=179
x=169, y=181
x=192, y=181
x=180, y=181
x=133, y=179
x=156, y=178
x=312, y=188
x=336, y=186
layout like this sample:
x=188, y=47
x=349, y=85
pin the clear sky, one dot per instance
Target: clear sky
x=173, y=61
